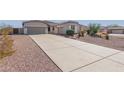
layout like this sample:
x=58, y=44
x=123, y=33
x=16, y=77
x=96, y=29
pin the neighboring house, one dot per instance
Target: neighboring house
x=103, y=29
x=112, y=29
x=116, y=30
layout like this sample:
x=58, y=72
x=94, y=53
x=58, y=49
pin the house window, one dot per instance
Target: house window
x=72, y=27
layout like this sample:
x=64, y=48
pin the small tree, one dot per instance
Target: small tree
x=6, y=42
x=93, y=29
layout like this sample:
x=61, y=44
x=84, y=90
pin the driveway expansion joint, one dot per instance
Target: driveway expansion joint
x=94, y=62
x=45, y=53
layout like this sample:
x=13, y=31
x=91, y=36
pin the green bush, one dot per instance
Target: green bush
x=107, y=37
x=70, y=32
x=93, y=29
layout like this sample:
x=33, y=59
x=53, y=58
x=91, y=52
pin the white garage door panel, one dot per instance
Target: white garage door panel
x=36, y=30
x=117, y=31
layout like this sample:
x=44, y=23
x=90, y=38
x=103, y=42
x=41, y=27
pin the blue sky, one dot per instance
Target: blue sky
x=18, y=23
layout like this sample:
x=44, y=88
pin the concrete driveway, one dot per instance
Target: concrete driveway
x=73, y=55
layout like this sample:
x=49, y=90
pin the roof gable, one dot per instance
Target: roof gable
x=69, y=22
x=117, y=27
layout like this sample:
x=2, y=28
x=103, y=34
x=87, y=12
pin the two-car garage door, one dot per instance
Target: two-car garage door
x=117, y=31
x=36, y=30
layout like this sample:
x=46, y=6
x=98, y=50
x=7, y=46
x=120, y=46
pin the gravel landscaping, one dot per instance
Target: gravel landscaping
x=115, y=43
x=27, y=58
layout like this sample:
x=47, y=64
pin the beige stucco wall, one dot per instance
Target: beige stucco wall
x=21, y=30
x=51, y=28
x=46, y=30
x=66, y=26
x=35, y=24
x=55, y=31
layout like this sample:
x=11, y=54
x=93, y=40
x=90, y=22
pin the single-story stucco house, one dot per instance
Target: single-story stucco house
x=44, y=27
x=103, y=29
x=112, y=29
x=116, y=30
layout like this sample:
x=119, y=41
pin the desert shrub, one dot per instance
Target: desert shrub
x=70, y=32
x=93, y=29
x=107, y=37
x=6, y=42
